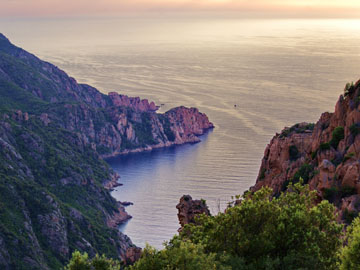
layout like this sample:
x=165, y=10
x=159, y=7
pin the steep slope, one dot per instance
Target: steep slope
x=54, y=195
x=113, y=123
x=325, y=155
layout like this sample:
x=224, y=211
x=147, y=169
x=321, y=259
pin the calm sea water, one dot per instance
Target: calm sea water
x=277, y=72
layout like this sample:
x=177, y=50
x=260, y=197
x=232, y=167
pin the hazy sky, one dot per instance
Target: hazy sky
x=296, y=8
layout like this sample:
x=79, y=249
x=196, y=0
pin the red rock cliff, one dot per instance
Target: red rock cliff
x=325, y=155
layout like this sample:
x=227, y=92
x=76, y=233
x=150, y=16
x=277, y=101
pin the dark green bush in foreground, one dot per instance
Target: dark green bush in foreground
x=288, y=232
x=82, y=262
x=350, y=255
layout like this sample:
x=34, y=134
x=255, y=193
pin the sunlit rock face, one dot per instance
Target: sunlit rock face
x=325, y=155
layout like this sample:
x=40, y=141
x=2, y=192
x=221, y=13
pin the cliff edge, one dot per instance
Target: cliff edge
x=325, y=155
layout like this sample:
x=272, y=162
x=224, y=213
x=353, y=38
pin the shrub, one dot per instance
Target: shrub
x=179, y=255
x=293, y=152
x=355, y=129
x=262, y=174
x=82, y=262
x=350, y=255
x=349, y=216
x=349, y=88
x=330, y=194
x=305, y=172
x=337, y=136
x=347, y=191
x=324, y=147
x=263, y=232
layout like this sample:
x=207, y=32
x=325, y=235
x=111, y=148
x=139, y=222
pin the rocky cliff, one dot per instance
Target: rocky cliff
x=113, y=123
x=326, y=155
x=188, y=209
x=54, y=186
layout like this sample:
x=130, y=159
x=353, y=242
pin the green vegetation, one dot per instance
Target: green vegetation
x=337, y=136
x=297, y=128
x=50, y=155
x=350, y=255
x=349, y=88
x=143, y=130
x=82, y=262
x=186, y=255
x=305, y=172
x=324, y=147
x=262, y=174
x=180, y=255
x=293, y=152
x=334, y=194
x=288, y=232
x=167, y=128
x=349, y=216
x=355, y=129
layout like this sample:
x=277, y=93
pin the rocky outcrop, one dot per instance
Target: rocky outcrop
x=119, y=217
x=188, y=209
x=135, y=103
x=187, y=124
x=326, y=155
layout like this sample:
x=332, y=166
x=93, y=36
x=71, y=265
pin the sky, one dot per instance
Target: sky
x=286, y=8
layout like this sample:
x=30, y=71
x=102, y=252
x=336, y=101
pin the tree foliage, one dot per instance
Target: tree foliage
x=289, y=232
x=350, y=255
x=179, y=255
x=82, y=262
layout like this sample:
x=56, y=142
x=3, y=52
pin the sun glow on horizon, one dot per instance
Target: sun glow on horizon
x=36, y=8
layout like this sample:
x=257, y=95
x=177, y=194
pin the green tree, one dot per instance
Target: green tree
x=82, y=262
x=350, y=255
x=289, y=232
x=179, y=255
x=79, y=262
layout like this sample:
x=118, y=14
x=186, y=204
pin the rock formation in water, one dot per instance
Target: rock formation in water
x=54, y=186
x=326, y=155
x=188, y=209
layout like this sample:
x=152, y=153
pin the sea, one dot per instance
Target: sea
x=252, y=77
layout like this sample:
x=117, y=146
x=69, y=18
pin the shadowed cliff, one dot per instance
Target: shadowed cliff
x=54, y=184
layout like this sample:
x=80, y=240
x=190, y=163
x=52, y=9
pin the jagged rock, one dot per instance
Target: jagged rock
x=333, y=165
x=188, y=209
x=118, y=217
x=140, y=105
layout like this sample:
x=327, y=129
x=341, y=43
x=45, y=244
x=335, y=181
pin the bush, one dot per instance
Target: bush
x=289, y=232
x=330, y=194
x=82, y=262
x=293, y=152
x=337, y=136
x=355, y=129
x=179, y=255
x=349, y=88
x=324, y=146
x=350, y=255
x=305, y=172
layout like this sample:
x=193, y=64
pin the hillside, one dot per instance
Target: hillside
x=325, y=155
x=54, y=184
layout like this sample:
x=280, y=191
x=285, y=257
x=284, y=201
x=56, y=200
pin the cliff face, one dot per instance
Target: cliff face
x=326, y=155
x=54, y=186
x=188, y=209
